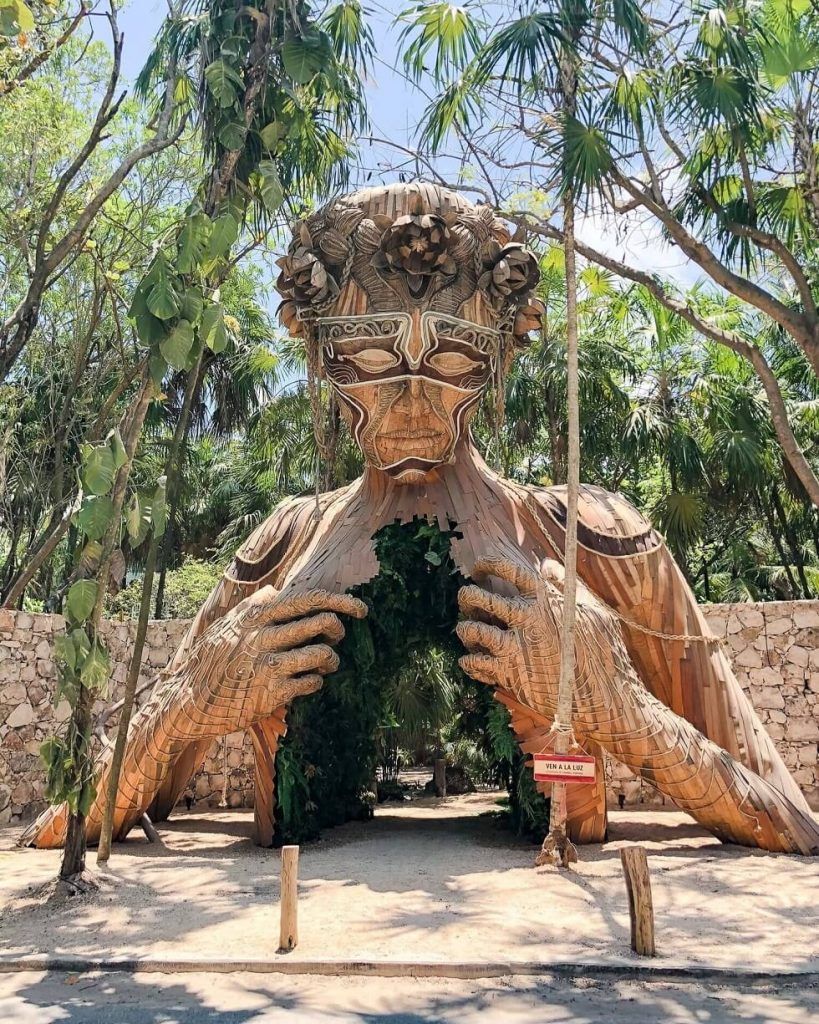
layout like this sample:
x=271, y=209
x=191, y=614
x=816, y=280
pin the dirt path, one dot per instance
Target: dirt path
x=428, y=880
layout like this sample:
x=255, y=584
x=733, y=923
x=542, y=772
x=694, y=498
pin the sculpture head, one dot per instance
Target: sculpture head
x=412, y=298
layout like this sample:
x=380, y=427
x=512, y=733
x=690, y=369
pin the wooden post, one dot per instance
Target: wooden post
x=640, y=905
x=440, y=776
x=289, y=927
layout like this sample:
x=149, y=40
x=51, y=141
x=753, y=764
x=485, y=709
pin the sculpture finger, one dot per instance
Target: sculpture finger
x=308, y=683
x=521, y=576
x=297, y=606
x=482, y=667
x=312, y=658
x=480, y=638
x=477, y=603
x=297, y=633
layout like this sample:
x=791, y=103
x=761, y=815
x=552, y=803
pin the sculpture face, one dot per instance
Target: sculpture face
x=409, y=295
x=409, y=383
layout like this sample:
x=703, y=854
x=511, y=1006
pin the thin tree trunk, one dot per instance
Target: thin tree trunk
x=107, y=826
x=164, y=558
x=557, y=848
x=73, y=862
x=104, y=848
x=792, y=541
x=777, y=543
x=43, y=553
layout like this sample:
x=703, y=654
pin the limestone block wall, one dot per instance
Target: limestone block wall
x=28, y=715
x=774, y=647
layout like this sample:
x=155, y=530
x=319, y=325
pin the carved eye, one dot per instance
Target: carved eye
x=373, y=360
x=450, y=363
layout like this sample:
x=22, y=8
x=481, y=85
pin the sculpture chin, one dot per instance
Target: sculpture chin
x=411, y=476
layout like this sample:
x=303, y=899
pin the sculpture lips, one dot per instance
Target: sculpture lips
x=421, y=434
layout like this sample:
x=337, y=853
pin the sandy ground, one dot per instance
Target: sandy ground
x=427, y=880
x=256, y=999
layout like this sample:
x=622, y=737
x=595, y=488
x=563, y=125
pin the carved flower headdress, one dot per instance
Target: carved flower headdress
x=404, y=247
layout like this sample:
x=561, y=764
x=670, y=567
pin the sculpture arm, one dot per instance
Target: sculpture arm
x=521, y=656
x=269, y=649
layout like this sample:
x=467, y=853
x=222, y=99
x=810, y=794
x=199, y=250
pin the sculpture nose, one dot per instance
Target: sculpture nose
x=415, y=342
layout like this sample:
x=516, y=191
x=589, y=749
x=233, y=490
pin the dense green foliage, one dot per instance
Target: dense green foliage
x=326, y=766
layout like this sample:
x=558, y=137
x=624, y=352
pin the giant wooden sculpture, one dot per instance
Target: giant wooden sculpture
x=411, y=299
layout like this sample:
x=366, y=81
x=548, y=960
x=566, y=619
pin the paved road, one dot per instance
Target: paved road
x=267, y=999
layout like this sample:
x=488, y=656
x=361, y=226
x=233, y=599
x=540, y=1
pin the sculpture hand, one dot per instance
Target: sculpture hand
x=256, y=658
x=612, y=707
x=515, y=641
x=260, y=655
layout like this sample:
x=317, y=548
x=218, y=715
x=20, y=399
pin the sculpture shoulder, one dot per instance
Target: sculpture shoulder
x=607, y=523
x=264, y=556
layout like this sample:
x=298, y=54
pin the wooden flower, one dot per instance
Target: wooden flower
x=528, y=317
x=511, y=273
x=419, y=245
x=304, y=278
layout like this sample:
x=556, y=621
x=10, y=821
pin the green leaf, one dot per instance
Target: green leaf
x=272, y=134
x=95, y=516
x=137, y=520
x=225, y=233
x=95, y=671
x=177, y=346
x=82, y=645
x=65, y=650
x=79, y=601
x=192, y=304
x=212, y=328
x=150, y=329
x=223, y=82
x=433, y=557
x=99, y=467
x=192, y=244
x=15, y=17
x=233, y=47
x=271, y=187
x=232, y=134
x=87, y=795
x=783, y=58
x=114, y=440
x=158, y=367
x=162, y=298
x=304, y=56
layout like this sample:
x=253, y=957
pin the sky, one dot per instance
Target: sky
x=395, y=109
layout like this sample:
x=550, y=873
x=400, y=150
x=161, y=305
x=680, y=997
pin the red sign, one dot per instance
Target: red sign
x=571, y=768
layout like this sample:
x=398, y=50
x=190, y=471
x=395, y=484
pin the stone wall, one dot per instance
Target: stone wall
x=28, y=715
x=774, y=647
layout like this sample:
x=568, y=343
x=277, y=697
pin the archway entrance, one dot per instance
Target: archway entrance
x=398, y=697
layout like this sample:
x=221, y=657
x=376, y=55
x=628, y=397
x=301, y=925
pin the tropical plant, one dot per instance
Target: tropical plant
x=688, y=121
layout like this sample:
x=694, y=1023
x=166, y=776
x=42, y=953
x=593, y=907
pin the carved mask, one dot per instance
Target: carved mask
x=411, y=294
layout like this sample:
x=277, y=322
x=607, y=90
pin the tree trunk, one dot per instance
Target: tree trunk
x=73, y=862
x=557, y=848
x=793, y=542
x=104, y=850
